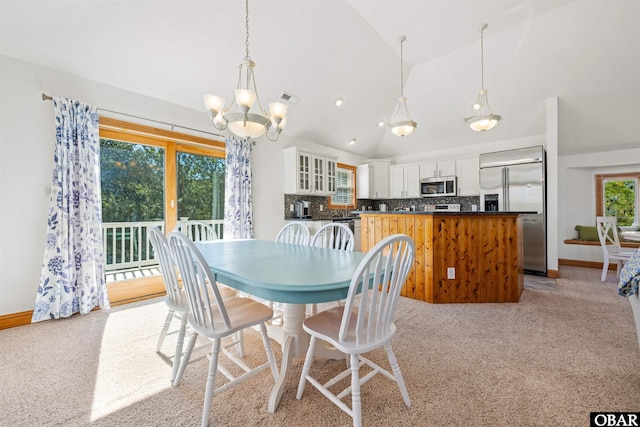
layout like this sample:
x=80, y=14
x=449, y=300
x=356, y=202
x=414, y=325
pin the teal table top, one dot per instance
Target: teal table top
x=282, y=272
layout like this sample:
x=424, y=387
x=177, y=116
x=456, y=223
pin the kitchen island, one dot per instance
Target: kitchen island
x=461, y=257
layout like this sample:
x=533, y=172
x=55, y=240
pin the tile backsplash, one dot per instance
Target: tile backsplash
x=316, y=202
x=465, y=202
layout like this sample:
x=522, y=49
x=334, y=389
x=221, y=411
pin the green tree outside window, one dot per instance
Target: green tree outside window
x=620, y=201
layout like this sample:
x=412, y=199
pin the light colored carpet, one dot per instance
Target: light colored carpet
x=560, y=353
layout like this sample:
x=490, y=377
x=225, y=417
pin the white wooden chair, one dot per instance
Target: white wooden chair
x=610, y=243
x=363, y=324
x=197, y=231
x=176, y=299
x=295, y=232
x=214, y=318
x=334, y=235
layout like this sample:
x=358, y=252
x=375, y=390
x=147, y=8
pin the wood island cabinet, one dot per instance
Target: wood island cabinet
x=460, y=258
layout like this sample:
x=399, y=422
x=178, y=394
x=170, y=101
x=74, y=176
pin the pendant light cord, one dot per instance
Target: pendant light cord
x=482, y=57
x=246, y=3
x=402, y=39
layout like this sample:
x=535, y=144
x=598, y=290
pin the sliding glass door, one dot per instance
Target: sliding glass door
x=201, y=189
x=152, y=180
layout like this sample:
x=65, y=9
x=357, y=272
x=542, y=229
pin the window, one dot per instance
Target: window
x=152, y=177
x=345, y=197
x=617, y=195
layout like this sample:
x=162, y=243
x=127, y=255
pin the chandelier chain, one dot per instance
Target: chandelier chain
x=401, y=70
x=247, y=27
x=482, y=59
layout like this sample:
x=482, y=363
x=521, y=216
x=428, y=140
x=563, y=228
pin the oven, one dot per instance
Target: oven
x=349, y=222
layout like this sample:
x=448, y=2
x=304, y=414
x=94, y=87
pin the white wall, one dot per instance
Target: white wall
x=577, y=195
x=26, y=161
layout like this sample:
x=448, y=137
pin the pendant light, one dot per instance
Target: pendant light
x=239, y=118
x=401, y=124
x=484, y=119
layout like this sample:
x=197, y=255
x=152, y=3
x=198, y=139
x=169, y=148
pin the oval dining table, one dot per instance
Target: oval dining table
x=291, y=274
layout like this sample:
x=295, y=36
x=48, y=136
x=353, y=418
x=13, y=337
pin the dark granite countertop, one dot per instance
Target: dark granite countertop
x=444, y=212
x=331, y=218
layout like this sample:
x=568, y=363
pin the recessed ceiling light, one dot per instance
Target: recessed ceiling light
x=352, y=141
x=381, y=123
x=339, y=101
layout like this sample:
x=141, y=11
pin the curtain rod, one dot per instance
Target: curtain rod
x=46, y=97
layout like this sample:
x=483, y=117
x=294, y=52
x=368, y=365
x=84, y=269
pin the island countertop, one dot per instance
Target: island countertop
x=443, y=212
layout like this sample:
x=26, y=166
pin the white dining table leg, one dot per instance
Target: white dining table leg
x=294, y=344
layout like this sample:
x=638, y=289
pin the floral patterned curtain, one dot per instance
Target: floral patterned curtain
x=72, y=278
x=238, y=206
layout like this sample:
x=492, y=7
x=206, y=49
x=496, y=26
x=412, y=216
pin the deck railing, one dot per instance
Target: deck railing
x=127, y=246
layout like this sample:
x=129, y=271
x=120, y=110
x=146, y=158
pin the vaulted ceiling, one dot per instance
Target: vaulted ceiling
x=586, y=52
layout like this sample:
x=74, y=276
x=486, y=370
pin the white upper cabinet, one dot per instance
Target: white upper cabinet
x=308, y=173
x=297, y=171
x=468, y=177
x=319, y=174
x=332, y=173
x=373, y=180
x=433, y=170
x=404, y=181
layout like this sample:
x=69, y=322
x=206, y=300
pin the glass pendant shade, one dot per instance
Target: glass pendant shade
x=245, y=97
x=214, y=103
x=401, y=123
x=278, y=110
x=485, y=119
x=249, y=126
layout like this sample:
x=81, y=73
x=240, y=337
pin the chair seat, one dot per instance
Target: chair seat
x=225, y=293
x=326, y=326
x=242, y=312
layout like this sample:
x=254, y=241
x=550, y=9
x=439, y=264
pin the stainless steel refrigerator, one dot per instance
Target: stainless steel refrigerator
x=514, y=180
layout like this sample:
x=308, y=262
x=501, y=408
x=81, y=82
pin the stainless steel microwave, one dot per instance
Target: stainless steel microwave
x=445, y=186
